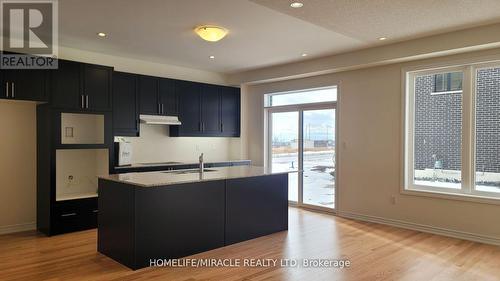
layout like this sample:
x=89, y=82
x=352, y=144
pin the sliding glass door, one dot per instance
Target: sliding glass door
x=302, y=139
x=284, y=148
x=318, y=177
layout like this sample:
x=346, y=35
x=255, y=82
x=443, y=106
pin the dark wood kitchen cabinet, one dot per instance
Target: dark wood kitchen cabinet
x=148, y=95
x=210, y=109
x=207, y=111
x=158, y=96
x=168, y=97
x=24, y=84
x=81, y=86
x=125, y=104
x=189, y=110
x=230, y=112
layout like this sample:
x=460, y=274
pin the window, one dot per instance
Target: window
x=318, y=95
x=452, y=142
x=448, y=82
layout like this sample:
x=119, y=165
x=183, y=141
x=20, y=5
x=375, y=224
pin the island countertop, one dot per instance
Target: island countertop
x=162, y=178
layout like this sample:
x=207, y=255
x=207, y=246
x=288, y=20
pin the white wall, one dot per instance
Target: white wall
x=154, y=145
x=370, y=162
x=17, y=166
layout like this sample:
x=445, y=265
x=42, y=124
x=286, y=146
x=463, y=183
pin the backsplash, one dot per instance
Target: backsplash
x=155, y=145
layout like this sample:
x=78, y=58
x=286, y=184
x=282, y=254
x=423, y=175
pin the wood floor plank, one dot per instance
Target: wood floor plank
x=377, y=252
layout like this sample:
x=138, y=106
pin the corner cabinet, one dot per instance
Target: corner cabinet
x=81, y=86
x=207, y=111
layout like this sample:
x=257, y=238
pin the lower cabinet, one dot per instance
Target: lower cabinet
x=74, y=215
x=256, y=207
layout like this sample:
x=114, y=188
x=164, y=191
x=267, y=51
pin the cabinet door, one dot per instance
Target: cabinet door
x=65, y=88
x=148, y=95
x=26, y=84
x=168, y=97
x=189, y=109
x=230, y=112
x=125, y=105
x=97, y=86
x=210, y=109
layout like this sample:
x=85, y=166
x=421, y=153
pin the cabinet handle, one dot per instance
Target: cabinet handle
x=162, y=111
x=95, y=211
x=68, y=215
x=199, y=126
x=12, y=93
x=203, y=126
x=222, y=127
x=83, y=101
x=7, y=89
x=87, y=101
x=159, y=108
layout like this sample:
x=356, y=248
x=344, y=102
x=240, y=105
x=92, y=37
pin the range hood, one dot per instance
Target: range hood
x=159, y=120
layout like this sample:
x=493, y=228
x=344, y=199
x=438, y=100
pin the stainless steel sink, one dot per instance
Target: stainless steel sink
x=190, y=171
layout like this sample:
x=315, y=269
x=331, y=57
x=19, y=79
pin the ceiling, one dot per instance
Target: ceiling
x=261, y=32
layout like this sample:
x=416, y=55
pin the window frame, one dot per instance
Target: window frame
x=467, y=191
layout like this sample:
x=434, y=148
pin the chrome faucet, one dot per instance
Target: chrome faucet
x=202, y=164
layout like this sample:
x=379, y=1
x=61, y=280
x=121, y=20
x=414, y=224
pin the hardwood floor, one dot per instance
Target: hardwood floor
x=377, y=252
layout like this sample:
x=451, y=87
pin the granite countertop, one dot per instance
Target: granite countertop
x=152, y=179
x=173, y=163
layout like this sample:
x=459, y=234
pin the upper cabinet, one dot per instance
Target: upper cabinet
x=158, y=96
x=148, y=95
x=81, y=86
x=24, y=84
x=207, y=111
x=168, y=97
x=230, y=112
x=125, y=104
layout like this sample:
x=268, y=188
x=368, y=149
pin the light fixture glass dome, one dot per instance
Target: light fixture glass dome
x=211, y=33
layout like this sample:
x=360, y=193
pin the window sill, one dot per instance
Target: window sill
x=452, y=196
x=445, y=93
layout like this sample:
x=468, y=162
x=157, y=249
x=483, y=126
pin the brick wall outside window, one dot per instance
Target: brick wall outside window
x=438, y=124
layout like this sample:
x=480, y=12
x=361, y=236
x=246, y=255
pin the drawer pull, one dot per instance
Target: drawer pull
x=68, y=215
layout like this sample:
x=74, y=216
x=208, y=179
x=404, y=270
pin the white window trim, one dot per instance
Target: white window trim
x=467, y=191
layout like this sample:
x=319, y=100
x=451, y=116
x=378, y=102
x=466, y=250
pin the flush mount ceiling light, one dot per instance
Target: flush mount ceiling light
x=296, y=5
x=211, y=57
x=101, y=34
x=304, y=55
x=211, y=33
x=382, y=38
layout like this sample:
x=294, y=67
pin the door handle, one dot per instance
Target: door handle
x=68, y=215
x=87, y=101
x=12, y=92
x=7, y=89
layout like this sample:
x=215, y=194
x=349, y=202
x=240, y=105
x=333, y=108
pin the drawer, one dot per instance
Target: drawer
x=74, y=215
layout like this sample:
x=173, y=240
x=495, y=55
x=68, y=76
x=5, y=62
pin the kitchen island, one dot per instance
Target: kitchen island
x=166, y=215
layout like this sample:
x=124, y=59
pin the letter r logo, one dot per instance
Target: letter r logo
x=27, y=26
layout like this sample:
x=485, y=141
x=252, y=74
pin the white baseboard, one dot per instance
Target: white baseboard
x=5, y=229
x=424, y=228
